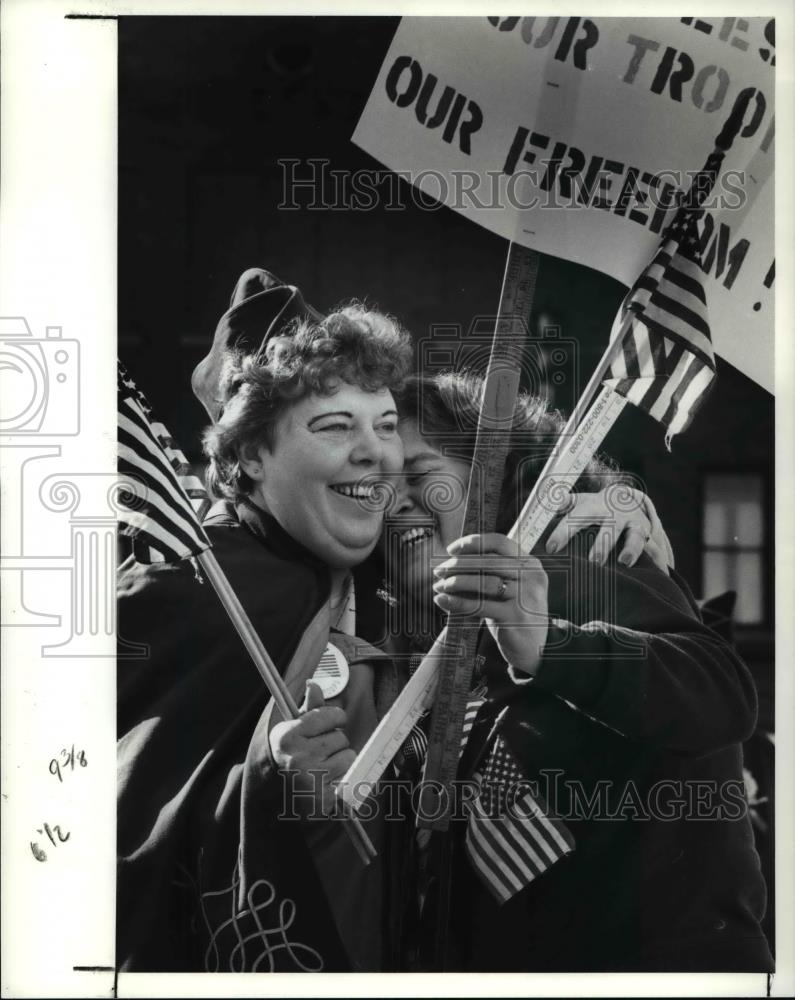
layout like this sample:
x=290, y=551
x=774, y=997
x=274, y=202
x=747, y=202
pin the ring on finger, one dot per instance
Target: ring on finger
x=502, y=589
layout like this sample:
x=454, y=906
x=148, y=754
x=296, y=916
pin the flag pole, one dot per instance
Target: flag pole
x=279, y=691
x=273, y=680
x=577, y=415
x=595, y=381
x=694, y=199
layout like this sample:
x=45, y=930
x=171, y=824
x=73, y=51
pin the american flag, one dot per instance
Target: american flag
x=511, y=836
x=162, y=512
x=666, y=364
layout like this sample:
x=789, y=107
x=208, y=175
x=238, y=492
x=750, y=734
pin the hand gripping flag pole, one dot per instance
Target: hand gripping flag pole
x=161, y=511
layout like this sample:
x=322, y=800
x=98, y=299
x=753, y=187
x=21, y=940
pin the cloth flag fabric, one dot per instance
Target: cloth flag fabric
x=511, y=836
x=476, y=700
x=163, y=512
x=666, y=365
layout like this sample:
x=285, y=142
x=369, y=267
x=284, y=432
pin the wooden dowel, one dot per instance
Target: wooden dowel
x=273, y=679
x=274, y=682
x=581, y=407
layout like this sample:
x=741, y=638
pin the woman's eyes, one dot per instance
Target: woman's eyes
x=339, y=426
x=386, y=429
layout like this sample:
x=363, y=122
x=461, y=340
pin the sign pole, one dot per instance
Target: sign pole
x=500, y=389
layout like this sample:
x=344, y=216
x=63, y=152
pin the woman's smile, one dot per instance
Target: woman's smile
x=325, y=478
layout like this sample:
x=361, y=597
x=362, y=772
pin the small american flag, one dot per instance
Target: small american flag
x=511, y=836
x=476, y=700
x=666, y=364
x=163, y=513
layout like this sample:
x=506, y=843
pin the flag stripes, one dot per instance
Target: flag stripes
x=678, y=271
x=686, y=277
x=138, y=449
x=670, y=391
x=477, y=698
x=684, y=396
x=192, y=485
x=414, y=748
x=504, y=870
x=413, y=751
x=511, y=837
x=670, y=298
x=665, y=364
x=636, y=369
x=158, y=514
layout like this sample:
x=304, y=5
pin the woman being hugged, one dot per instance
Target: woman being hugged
x=611, y=832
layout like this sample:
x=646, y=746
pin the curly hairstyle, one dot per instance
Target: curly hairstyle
x=353, y=344
x=445, y=410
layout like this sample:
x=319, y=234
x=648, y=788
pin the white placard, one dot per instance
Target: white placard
x=571, y=135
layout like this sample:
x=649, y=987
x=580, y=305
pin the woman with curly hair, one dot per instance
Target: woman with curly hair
x=217, y=863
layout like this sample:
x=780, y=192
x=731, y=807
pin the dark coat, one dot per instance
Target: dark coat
x=633, y=733
x=204, y=863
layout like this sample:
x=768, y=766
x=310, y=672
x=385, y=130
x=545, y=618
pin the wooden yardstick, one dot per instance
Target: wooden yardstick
x=482, y=504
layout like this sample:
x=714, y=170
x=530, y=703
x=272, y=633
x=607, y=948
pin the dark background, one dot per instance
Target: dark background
x=207, y=108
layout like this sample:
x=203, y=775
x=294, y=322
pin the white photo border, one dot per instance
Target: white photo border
x=58, y=269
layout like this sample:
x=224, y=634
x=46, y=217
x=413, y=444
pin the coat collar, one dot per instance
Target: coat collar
x=370, y=607
x=263, y=526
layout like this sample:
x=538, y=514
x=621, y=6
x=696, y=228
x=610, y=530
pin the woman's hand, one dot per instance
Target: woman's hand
x=488, y=577
x=315, y=748
x=627, y=519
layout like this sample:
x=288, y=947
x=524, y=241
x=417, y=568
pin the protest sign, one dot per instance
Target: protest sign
x=578, y=145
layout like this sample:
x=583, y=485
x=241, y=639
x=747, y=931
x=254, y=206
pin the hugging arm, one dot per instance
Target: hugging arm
x=626, y=647
x=627, y=521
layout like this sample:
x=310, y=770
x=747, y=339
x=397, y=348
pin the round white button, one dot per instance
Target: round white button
x=332, y=672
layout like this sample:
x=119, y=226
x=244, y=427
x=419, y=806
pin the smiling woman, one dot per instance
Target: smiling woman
x=438, y=423
x=310, y=433
x=304, y=442
x=326, y=467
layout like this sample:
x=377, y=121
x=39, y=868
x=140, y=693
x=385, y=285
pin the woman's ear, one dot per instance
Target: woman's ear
x=250, y=459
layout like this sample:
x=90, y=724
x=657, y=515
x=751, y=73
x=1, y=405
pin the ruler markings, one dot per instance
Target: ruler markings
x=418, y=694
